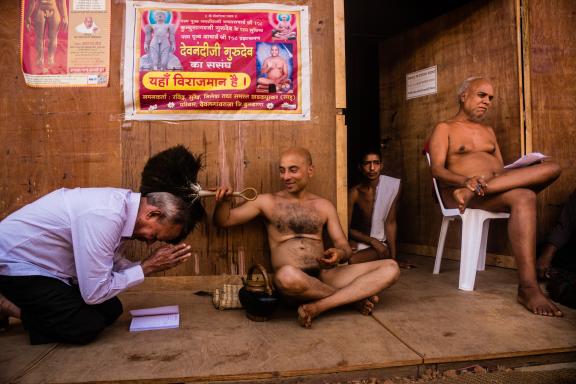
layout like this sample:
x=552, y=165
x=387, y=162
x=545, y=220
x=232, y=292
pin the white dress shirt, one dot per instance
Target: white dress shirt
x=74, y=235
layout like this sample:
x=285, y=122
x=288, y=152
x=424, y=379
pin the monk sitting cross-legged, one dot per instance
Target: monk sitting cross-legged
x=466, y=159
x=304, y=270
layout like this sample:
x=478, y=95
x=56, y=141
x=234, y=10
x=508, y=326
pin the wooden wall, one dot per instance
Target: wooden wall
x=551, y=64
x=531, y=66
x=478, y=39
x=51, y=138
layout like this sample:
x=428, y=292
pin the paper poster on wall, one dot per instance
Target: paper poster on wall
x=421, y=83
x=216, y=62
x=65, y=43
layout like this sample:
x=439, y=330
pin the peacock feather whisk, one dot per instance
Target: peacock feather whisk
x=175, y=170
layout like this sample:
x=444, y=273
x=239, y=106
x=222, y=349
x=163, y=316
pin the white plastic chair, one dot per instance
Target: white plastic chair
x=475, y=225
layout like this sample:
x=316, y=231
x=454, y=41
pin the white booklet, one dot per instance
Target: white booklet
x=155, y=318
x=526, y=160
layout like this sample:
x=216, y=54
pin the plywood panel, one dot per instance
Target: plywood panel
x=553, y=91
x=443, y=323
x=52, y=138
x=478, y=39
x=212, y=345
x=245, y=154
x=17, y=355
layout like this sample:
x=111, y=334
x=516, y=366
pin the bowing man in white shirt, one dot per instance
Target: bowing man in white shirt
x=60, y=257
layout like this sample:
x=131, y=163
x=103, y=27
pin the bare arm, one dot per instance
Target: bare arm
x=439, y=146
x=63, y=14
x=172, y=37
x=355, y=234
x=497, y=152
x=266, y=67
x=284, y=72
x=31, y=5
x=226, y=216
x=341, y=250
x=147, y=38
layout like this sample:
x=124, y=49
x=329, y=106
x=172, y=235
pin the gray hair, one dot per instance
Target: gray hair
x=174, y=209
x=466, y=84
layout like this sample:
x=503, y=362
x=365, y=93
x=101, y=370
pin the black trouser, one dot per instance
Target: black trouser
x=53, y=311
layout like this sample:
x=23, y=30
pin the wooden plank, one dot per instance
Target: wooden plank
x=486, y=323
x=552, y=75
x=521, y=49
x=340, y=53
x=223, y=345
x=17, y=356
x=452, y=43
x=342, y=171
x=526, y=97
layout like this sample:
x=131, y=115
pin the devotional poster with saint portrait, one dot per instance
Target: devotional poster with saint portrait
x=216, y=62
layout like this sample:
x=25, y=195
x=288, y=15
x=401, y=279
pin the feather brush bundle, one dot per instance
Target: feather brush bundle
x=175, y=170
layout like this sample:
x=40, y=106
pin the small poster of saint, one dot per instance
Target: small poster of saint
x=65, y=43
x=216, y=62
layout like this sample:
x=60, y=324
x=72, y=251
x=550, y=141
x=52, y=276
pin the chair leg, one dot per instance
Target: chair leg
x=471, y=237
x=440, y=249
x=483, y=241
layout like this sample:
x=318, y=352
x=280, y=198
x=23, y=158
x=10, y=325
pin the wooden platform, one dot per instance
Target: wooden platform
x=423, y=320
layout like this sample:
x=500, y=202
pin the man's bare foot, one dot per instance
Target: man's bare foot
x=536, y=302
x=366, y=306
x=305, y=315
x=463, y=197
x=405, y=265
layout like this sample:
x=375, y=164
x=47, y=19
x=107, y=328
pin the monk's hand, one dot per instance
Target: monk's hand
x=380, y=247
x=476, y=184
x=331, y=257
x=165, y=257
x=222, y=193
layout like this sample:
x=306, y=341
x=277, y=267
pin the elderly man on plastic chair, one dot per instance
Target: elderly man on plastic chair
x=466, y=159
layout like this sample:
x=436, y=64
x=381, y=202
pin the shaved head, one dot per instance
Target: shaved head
x=299, y=151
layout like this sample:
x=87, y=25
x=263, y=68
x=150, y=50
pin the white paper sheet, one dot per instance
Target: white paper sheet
x=155, y=318
x=526, y=160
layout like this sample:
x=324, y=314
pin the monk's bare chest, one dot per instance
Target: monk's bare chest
x=287, y=217
x=463, y=140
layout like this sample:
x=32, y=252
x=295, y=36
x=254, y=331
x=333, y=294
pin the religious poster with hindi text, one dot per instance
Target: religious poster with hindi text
x=216, y=62
x=65, y=43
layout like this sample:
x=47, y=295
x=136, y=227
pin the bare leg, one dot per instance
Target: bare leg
x=353, y=283
x=522, y=233
x=296, y=284
x=53, y=23
x=535, y=177
x=39, y=25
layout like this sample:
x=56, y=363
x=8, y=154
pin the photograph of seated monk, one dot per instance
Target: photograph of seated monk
x=466, y=160
x=274, y=70
x=304, y=271
x=372, y=206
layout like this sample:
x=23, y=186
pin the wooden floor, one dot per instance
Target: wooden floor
x=423, y=321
